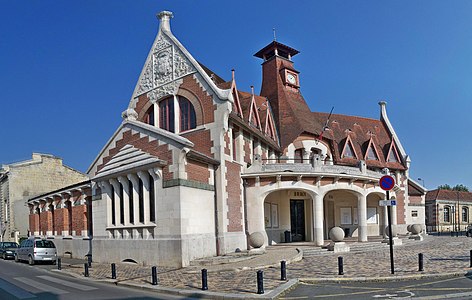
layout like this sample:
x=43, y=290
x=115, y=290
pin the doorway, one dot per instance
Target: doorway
x=297, y=220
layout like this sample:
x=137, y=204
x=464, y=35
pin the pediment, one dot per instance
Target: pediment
x=128, y=158
x=165, y=64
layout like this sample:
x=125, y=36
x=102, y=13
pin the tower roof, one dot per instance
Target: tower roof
x=282, y=49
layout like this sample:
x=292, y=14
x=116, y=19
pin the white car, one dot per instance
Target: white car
x=33, y=250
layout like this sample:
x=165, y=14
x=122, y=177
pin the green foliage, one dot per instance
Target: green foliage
x=457, y=187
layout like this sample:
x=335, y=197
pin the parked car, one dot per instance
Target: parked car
x=469, y=231
x=7, y=249
x=34, y=250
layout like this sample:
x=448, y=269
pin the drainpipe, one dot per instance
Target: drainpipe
x=215, y=198
x=246, y=230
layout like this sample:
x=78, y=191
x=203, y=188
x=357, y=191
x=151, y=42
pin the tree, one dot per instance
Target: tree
x=457, y=187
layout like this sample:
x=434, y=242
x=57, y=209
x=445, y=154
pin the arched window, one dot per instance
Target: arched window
x=447, y=214
x=188, y=119
x=465, y=215
x=149, y=117
x=166, y=114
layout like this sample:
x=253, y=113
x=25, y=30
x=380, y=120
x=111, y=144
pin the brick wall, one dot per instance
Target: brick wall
x=208, y=107
x=45, y=218
x=202, y=141
x=145, y=145
x=79, y=219
x=33, y=223
x=59, y=220
x=233, y=188
x=197, y=171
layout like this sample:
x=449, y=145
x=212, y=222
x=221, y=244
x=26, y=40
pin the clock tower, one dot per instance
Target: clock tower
x=281, y=86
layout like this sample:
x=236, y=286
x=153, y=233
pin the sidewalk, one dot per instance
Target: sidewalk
x=442, y=256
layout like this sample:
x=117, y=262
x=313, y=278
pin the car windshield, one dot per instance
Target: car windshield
x=44, y=244
x=9, y=245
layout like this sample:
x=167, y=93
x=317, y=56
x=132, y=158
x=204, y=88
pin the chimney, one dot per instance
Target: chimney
x=164, y=17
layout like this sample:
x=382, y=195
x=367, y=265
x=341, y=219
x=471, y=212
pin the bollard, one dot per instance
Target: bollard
x=283, y=270
x=260, y=282
x=113, y=271
x=59, y=267
x=89, y=260
x=471, y=258
x=340, y=266
x=86, y=270
x=154, y=275
x=204, y=279
x=420, y=262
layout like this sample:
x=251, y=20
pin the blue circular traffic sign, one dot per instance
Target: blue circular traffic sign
x=387, y=182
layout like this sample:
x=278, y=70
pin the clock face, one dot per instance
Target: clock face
x=291, y=79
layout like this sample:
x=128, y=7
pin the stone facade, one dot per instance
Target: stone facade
x=197, y=166
x=23, y=180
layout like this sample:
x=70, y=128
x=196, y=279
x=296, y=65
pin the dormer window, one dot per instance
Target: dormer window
x=348, y=151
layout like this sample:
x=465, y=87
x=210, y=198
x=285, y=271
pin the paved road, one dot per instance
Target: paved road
x=432, y=288
x=21, y=281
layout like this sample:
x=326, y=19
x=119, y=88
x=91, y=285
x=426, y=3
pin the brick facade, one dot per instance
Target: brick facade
x=233, y=188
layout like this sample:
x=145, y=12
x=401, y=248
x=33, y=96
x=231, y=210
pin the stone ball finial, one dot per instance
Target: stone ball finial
x=415, y=228
x=256, y=239
x=408, y=228
x=336, y=234
x=129, y=114
x=394, y=231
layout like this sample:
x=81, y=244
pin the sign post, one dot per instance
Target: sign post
x=387, y=183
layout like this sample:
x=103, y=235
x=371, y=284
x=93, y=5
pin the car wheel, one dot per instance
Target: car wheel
x=30, y=260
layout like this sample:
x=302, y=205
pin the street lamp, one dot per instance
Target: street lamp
x=419, y=179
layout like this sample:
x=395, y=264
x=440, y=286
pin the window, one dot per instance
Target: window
x=152, y=199
x=298, y=156
x=131, y=202
x=141, y=201
x=371, y=155
x=414, y=214
x=465, y=215
x=349, y=151
x=187, y=115
x=447, y=214
x=122, y=205
x=149, y=117
x=113, y=220
x=166, y=114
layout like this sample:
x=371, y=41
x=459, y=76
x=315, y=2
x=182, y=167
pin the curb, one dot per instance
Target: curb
x=383, y=279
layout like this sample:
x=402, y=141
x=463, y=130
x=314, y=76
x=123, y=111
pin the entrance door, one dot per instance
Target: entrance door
x=297, y=220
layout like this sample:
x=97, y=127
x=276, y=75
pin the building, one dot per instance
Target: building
x=22, y=180
x=198, y=165
x=448, y=210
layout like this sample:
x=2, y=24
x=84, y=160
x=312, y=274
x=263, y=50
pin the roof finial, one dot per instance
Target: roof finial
x=275, y=37
x=164, y=17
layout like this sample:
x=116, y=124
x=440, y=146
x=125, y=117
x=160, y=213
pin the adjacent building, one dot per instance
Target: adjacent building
x=448, y=210
x=198, y=165
x=22, y=180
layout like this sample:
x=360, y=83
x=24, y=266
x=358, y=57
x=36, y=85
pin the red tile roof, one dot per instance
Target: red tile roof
x=448, y=195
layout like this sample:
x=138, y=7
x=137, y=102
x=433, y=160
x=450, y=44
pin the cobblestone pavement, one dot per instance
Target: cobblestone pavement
x=441, y=255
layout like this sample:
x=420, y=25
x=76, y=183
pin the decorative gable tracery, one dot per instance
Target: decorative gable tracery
x=163, y=70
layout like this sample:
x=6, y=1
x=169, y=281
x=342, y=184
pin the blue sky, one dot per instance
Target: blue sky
x=68, y=68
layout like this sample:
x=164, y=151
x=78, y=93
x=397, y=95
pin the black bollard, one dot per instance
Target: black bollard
x=204, y=279
x=154, y=275
x=86, y=270
x=59, y=267
x=89, y=260
x=283, y=270
x=260, y=282
x=471, y=258
x=340, y=266
x=113, y=271
x=420, y=262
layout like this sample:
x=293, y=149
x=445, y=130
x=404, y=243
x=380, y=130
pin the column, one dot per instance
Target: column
x=318, y=214
x=134, y=180
x=362, y=217
x=176, y=115
x=144, y=176
x=106, y=189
